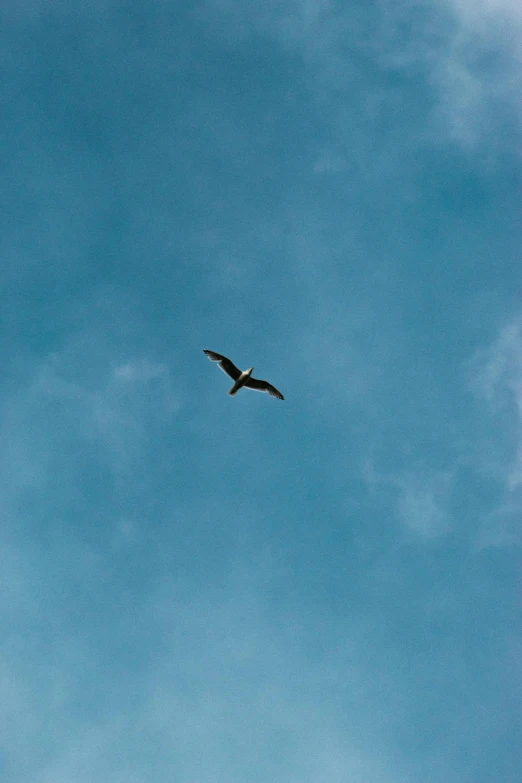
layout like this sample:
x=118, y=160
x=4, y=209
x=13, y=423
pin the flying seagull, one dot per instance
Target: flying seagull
x=242, y=378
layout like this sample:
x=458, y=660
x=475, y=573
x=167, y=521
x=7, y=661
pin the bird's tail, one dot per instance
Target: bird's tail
x=232, y=391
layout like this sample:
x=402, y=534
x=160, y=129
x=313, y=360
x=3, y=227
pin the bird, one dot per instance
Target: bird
x=242, y=378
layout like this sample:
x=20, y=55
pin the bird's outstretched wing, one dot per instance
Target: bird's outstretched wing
x=263, y=386
x=224, y=363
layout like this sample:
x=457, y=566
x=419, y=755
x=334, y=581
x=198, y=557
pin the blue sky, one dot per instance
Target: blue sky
x=199, y=588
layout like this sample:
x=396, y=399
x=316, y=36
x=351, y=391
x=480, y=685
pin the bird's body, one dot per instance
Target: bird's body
x=242, y=378
x=241, y=381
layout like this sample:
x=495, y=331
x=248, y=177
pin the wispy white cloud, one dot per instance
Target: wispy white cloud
x=482, y=73
x=469, y=54
x=419, y=497
x=140, y=370
x=466, y=54
x=498, y=367
x=87, y=403
x=505, y=15
x=422, y=505
x=224, y=690
x=496, y=379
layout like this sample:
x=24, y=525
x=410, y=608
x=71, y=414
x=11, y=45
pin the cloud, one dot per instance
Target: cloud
x=218, y=688
x=506, y=15
x=87, y=404
x=418, y=497
x=498, y=367
x=140, y=370
x=467, y=55
x=488, y=454
x=421, y=506
x=482, y=73
x=496, y=379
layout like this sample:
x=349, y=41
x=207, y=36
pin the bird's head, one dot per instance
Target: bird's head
x=250, y=370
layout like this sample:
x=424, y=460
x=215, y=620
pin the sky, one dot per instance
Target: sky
x=198, y=588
